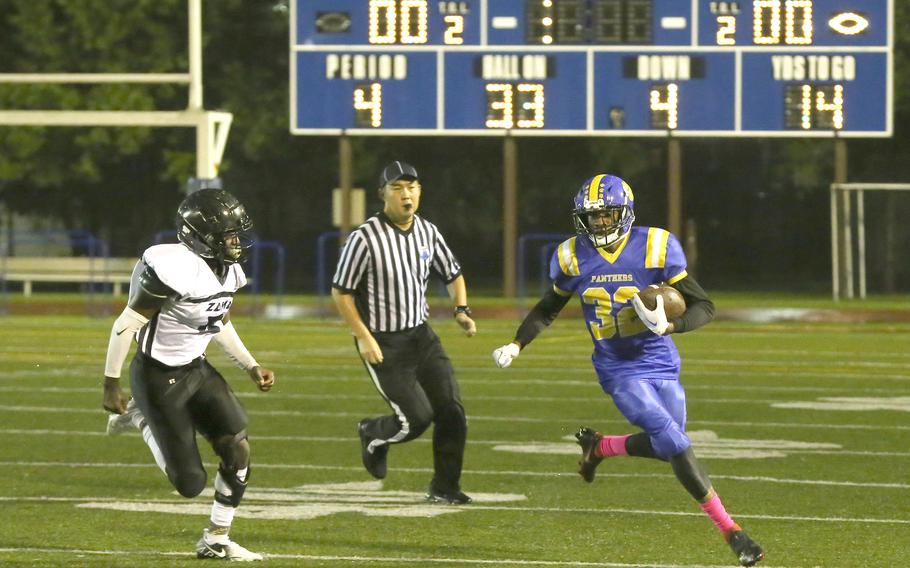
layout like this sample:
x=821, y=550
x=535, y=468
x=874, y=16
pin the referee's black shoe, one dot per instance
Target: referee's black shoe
x=375, y=461
x=450, y=498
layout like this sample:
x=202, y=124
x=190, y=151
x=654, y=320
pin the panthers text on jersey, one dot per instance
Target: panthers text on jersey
x=182, y=329
x=605, y=282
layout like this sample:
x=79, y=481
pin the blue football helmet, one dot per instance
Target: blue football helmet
x=604, y=209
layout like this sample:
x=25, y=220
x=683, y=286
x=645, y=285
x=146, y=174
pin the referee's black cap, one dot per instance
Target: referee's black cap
x=395, y=171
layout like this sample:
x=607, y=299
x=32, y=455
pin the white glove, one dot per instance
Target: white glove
x=504, y=355
x=655, y=319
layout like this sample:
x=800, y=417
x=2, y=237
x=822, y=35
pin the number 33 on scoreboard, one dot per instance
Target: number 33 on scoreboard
x=515, y=105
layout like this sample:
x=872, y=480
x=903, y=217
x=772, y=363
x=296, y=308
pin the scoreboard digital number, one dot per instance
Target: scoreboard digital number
x=592, y=67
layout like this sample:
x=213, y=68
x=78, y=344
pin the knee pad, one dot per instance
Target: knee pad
x=233, y=450
x=188, y=483
x=229, y=488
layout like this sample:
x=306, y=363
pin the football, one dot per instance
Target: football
x=674, y=304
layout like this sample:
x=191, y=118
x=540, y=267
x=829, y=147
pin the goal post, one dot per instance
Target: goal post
x=848, y=224
x=212, y=127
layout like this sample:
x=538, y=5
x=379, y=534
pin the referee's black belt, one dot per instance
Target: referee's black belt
x=405, y=330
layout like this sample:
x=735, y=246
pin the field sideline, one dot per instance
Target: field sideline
x=802, y=426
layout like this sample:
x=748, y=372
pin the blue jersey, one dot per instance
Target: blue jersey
x=605, y=282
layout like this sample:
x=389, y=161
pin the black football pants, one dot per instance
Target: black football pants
x=179, y=401
x=417, y=380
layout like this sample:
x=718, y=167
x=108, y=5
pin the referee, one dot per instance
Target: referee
x=380, y=289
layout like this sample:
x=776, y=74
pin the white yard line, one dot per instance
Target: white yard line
x=424, y=440
x=372, y=559
x=699, y=514
x=525, y=509
x=712, y=388
x=554, y=374
x=523, y=473
x=734, y=367
x=859, y=388
x=481, y=418
x=799, y=353
x=485, y=398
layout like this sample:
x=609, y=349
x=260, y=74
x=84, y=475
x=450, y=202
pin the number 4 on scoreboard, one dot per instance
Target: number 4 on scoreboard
x=664, y=103
x=368, y=105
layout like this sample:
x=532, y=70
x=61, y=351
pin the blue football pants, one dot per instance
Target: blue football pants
x=656, y=406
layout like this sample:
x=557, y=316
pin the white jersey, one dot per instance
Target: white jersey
x=189, y=319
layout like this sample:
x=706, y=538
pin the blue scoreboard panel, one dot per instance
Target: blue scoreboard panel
x=592, y=67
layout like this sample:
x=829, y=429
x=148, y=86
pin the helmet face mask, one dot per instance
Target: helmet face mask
x=604, y=210
x=215, y=225
x=604, y=226
x=237, y=245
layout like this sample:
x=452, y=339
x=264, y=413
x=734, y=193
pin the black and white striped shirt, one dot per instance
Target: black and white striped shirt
x=388, y=269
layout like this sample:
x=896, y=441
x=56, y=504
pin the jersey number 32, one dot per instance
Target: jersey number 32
x=606, y=325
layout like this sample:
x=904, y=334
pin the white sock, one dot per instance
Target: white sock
x=153, y=445
x=223, y=515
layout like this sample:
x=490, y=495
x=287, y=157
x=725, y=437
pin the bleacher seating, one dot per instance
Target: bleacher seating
x=79, y=269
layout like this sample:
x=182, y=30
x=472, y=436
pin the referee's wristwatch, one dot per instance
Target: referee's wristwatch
x=462, y=310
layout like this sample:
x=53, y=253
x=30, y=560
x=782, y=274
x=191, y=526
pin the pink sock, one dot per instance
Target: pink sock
x=613, y=446
x=715, y=509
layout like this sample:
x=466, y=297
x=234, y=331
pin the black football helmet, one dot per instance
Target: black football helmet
x=215, y=225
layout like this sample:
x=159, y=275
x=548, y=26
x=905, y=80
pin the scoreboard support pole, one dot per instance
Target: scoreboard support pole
x=841, y=241
x=345, y=177
x=674, y=185
x=509, y=215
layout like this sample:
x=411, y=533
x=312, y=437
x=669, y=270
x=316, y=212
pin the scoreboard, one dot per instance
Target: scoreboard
x=592, y=67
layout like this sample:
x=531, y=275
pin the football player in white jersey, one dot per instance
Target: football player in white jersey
x=180, y=297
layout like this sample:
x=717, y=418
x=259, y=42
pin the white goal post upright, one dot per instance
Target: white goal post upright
x=842, y=229
x=212, y=127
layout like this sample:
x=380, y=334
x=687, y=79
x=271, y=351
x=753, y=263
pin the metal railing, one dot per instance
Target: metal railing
x=549, y=242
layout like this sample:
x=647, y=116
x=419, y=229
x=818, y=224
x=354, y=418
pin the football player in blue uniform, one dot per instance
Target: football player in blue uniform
x=180, y=300
x=637, y=363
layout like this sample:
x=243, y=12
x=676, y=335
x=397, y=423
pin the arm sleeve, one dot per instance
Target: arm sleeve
x=122, y=333
x=352, y=264
x=444, y=262
x=699, y=308
x=230, y=342
x=540, y=316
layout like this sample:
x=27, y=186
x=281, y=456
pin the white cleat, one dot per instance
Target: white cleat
x=229, y=550
x=120, y=423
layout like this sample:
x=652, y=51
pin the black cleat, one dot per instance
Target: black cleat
x=588, y=439
x=746, y=550
x=454, y=498
x=375, y=461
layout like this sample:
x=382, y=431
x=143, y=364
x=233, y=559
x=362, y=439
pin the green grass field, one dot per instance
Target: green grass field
x=804, y=428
